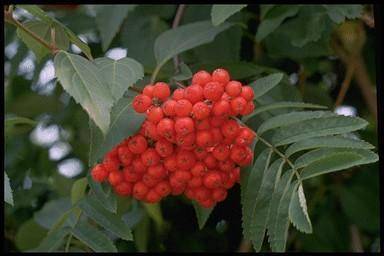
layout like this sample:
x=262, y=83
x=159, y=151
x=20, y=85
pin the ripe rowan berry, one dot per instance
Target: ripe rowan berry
x=152, y=197
x=238, y=105
x=204, y=138
x=178, y=94
x=185, y=141
x=220, y=75
x=99, y=173
x=213, y=91
x=210, y=161
x=195, y=182
x=233, y=88
x=184, y=125
x=170, y=163
x=190, y=193
x=111, y=164
x=221, y=108
x=148, y=90
x=141, y=103
x=161, y=90
x=164, y=148
x=137, y=144
x=200, y=110
x=150, y=157
x=217, y=121
x=115, y=177
x=194, y=93
x=130, y=175
x=157, y=171
x=125, y=155
x=203, y=124
x=247, y=93
x=201, y=78
x=207, y=203
x=155, y=114
x=149, y=180
x=202, y=193
x=123, y=189
x=163, y=188
x=245, y=137
x=140, y=190
x=183, y=108
x=166, y=128
x=227, y=165
x=248, y=109
x=149, y=130
x=221, y=152
x=212, y=180
x=238, y=153
x=168, y=107
x=200, y=152
x=216, y=135
x=230, y=128
x=219, y=194
x=185, y=159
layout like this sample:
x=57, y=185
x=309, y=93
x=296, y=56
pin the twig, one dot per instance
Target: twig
x=175, y=24
x=346, y=83
x=356, y=245
x=135, y=89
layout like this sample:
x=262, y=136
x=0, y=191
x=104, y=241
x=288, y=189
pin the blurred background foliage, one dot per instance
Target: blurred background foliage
x=43, y=159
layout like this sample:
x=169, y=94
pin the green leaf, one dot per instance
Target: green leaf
x=317, y=127
x=338, y=12
x=8, y=197
x=262, y=85
x=291, y=118
x=278, y=222
x=43, y=30
x=124, y=122
x=202, y=214
x=142, y=234
x=29, y=235
x=78, y=42
x=273, y=18
x=337, y=161
x=37, y=12
x=184, y=74
x=328, y=142
x=52, y=212
x=83, y=81
x=221, y=12
x=281, y=105
x=52, y=241
x=154, y=211
x=93, y=238
x=251, y=185
x=105, y=199
x=78, y=190
x=261, y=206
x=119, y=74
x=110, y=221
x=298, y=213
x=109, y=19
x=183, y=38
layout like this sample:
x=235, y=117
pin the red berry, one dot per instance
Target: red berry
x=247, y=93
x=164, y=148
x=204, y=138
x=221, y=152
x=99, y=173
x=161, y=90
x=238, y=105
x=207, y=203
x=201, y=110
x=203, y=124
x=227, y=165
x=185, y=140
x=201, y=78
x=190, y=193
x=178, y=94
x=149, y=180
x=148, y=90
x=138, y=165
x=236, y=174
x=169, y=107
x=123, y=189
x=195, y=182
x=220, y=75
x=198, y=169
x=245, y=137
x=233, y=88
x=182, y=176
x=155, y=114
x=221, y=108
x=140, y=190
x=149, y=130
x=166, y=128
x=157, y=171
x=115, y=177
x=163, y=188
x=213, y=91
x=238, y=153
x=202, y=193
x=219, y=194
x=185, y=159
x=230, y=129
x=137, y=144
x=210, y=161
x=248, y=108
x=184, y=125
x=125, y=155
x=130, y=175
x=152, y=197
x=212, y=180
x=170, y=163
x=217, y=121
x=200, y=152
x=193, y=93
x=141, y=103
x=150, y=157
x=183, y=108
x=216, y=135
x=111, y=164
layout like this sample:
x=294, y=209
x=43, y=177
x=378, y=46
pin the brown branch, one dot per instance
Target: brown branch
x=346, y=83
x=175, y=24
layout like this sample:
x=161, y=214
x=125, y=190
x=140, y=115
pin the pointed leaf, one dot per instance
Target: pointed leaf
x=185, y=73
x=202, y=214
x=183, y=38
x=93, y=238
x=124, y=122
x=108, y=200
x=338, y=12
x=262, y=85
x=53, y=240
x=78, y=190
x=8, y=196
x=109, y=19
x=52, y=211
x=328, y=142
x=110, y=221
x=82, y=80
x=119, y=74
x=298, y=213
x=317, y=127
x=250, y=186
x=221, y=12
x=291, y=118
x=261, y=207
x=281, y=105
x=37, y=12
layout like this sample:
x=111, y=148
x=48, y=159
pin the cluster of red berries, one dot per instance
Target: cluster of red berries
x=188, y=143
